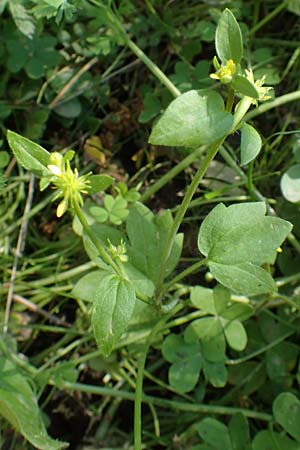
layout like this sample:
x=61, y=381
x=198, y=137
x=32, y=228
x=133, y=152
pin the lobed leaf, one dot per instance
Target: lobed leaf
x=237, y=240
x=147, y=234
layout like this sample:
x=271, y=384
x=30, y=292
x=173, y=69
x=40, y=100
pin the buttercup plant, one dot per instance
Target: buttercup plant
x=238, y=242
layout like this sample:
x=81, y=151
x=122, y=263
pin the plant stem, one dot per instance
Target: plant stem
x=188, y=271
x=196, y=408
x=171, y=174
x=268, y=17
x=102, y=252
x=151, y=66
x=286, y=98
x=138, y=397
x=211, y=153
x=240, y=111
x=234, y=362
x=230, y=99
x=117, y=26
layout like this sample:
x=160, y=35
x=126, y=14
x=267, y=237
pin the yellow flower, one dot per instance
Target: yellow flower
x=263, y=91
x=224, y=73
x=67, y=182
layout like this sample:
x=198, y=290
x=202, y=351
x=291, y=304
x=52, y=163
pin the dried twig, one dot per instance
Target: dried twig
x=19, y=250
x=35, y=308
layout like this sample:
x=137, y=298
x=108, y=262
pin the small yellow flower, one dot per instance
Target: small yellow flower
x=67, y=182
x=263, y=91
x=225, y=73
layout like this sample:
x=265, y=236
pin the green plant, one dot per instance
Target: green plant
x=139, y=262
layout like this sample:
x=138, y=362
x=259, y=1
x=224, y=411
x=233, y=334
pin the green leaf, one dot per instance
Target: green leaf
x=3, y=4
x=214, y=433
x=192, y=120
x=139, y=280
x=103, y=233
x=147, y=234
x=151, y=108
x=36, y=123
x=87, y=286
x=23, y=20
x=4, y=159
x=203, y=298
x=268, y=440
x=211, y=226
x=280, y=361
x=229, y=43
x=286, y=409
x=210, y=333
x=237, y=240
x=290, y=184
x=100, y=182
x=241, y=234
x=112, y=311
x=30, y=155
x=238, y=311
x=187, y=362
x=19, y=406
x=222, y=298
x=294, y=6
x=69, y=109
x=246, y=278
x=236, y=335
x=239, y=432
x=244, y=86
x=250, y=144
x=117, y=208
x=215, y=373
